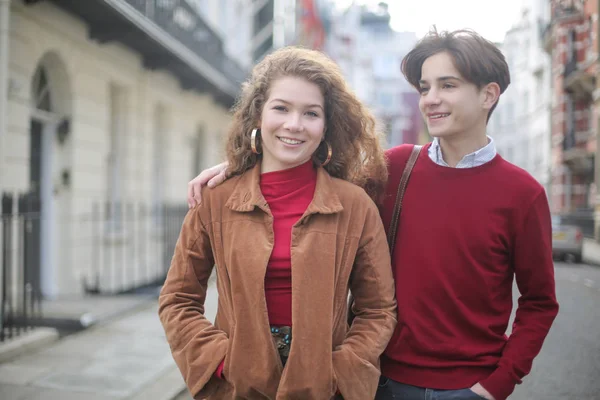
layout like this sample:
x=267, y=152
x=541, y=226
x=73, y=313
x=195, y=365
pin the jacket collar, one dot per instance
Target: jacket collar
x=247, y=195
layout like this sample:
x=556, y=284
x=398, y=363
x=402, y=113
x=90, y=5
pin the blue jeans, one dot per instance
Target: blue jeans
x=390, y=389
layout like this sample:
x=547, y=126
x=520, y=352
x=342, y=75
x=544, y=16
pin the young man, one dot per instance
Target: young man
x=471, y=223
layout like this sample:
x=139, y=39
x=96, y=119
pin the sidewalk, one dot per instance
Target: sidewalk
x=127, y=358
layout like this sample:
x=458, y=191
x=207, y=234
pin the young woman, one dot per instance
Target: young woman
x=289, y=234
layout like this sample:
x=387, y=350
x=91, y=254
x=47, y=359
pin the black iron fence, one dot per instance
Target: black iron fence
x=117, y=247
x=130, y=245
x=20, y=296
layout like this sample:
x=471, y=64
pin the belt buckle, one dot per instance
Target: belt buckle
x=283, y=339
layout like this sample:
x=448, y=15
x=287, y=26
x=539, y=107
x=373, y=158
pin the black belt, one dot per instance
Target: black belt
x=283, y=339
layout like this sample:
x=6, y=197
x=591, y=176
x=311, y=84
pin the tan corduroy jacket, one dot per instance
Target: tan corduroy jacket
x=338, y=244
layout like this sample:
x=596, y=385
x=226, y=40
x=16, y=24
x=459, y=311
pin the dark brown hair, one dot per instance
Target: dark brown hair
x=478, y=60
x=350, y=127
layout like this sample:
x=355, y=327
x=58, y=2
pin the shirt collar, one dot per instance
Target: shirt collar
x=474, y=159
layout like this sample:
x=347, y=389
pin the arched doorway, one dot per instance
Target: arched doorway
x=48, y=128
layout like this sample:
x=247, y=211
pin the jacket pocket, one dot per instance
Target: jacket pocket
x=334, y=382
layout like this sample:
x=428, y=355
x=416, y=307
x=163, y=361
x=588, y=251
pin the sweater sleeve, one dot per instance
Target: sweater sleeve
x=537, y=305
x=356, y=360
x=196, y=344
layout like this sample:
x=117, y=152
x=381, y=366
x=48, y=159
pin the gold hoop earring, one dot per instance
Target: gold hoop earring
x=329, y=154
x=253, y=140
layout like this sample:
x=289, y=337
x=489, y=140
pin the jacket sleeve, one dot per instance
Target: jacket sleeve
x=534, y=274
x=356, y=360
x=197, y=346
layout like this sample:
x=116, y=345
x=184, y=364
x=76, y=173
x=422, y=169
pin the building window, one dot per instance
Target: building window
x=198, y=145
x=116, y=108
x=42, y=99
x=571, y=48
x=159, y=134
x=569, y=140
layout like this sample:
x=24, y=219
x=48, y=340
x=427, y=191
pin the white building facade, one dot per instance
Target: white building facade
x=109, y=115
x=521, y=123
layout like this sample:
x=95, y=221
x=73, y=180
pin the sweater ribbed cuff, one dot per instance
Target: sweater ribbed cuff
x=500, y=384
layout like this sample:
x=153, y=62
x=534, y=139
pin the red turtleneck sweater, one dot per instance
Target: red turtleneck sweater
x=288, y=193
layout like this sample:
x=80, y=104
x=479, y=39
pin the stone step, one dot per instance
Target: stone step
x=27, y=342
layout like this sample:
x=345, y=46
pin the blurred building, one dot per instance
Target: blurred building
x=520, y=125
x=113, y=105
x=251, y=29
x=274, y=25
x=571, y=40
x=233, y=21
x=370, y=53
x=313, y=23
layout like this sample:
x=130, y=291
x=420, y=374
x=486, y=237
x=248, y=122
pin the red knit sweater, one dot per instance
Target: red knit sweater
x=464, y=235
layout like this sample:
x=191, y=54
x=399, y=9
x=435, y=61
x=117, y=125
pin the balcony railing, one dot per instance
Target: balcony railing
x=168, y=34
x=570, y=67
x=575, y=153
x=184, y=23
x=569, y=140
x=568, y=8
x=578, y=81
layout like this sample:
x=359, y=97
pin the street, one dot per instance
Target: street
x=84, y=365
x=568, y=368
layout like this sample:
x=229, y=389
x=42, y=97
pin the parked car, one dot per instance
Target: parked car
x=567, y=240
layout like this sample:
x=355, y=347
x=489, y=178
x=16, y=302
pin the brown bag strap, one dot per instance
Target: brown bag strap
x=412, y=160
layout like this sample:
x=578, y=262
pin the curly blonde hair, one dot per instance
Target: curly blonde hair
x=350, y=127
